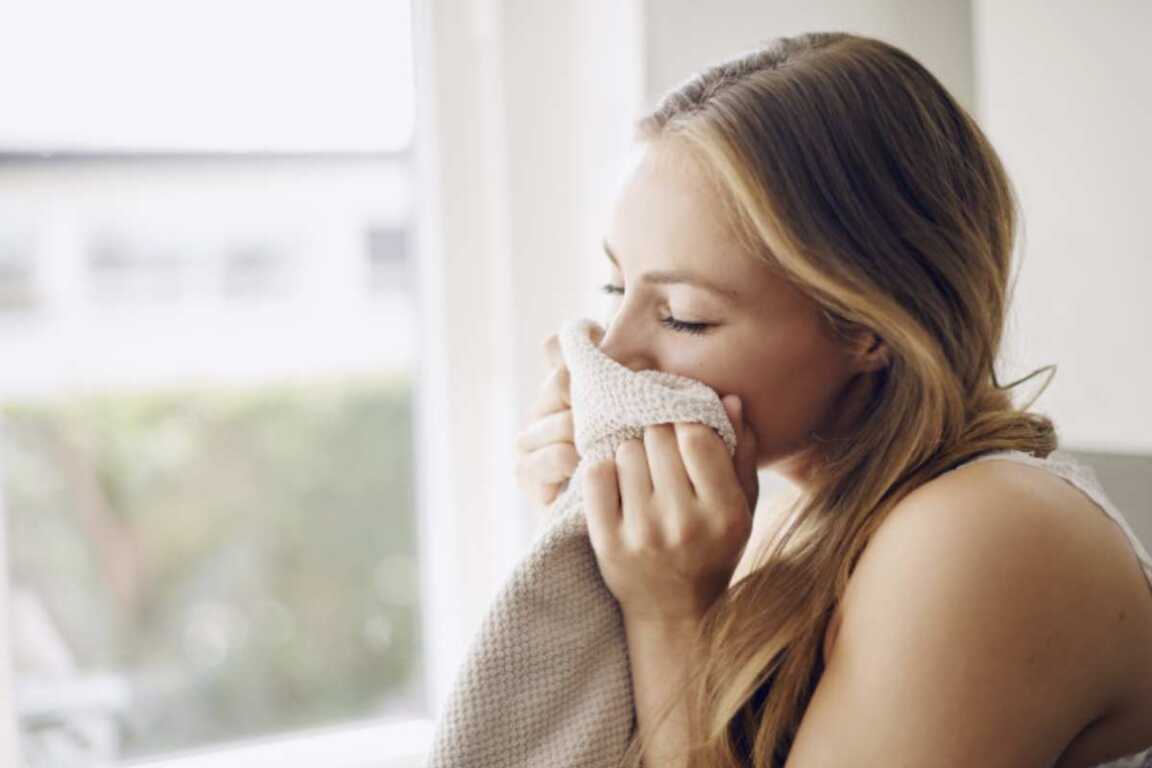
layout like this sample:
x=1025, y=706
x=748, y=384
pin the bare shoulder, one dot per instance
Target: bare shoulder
x=989, y=598
x=1056, y=556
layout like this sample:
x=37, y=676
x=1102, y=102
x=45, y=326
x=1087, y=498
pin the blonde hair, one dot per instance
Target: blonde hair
x=855, y=174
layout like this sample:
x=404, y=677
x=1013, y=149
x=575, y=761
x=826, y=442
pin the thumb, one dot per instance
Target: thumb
x=745, y=456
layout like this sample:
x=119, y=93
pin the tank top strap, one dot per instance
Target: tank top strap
x=1084, y=478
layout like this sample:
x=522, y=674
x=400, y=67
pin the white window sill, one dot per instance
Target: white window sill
x=400, y=744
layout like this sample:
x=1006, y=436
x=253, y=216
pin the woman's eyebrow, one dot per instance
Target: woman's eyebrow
x=678, y=276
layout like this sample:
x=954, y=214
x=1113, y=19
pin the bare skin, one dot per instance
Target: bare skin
x=670, y=505
x=765, y=341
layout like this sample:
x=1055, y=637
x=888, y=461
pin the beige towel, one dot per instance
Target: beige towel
x=546, y=680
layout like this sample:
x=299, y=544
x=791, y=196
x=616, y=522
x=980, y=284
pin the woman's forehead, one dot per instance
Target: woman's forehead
x=669, y=210
x=670, y=214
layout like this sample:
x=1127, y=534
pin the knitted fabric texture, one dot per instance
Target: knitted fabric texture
x=546, y=681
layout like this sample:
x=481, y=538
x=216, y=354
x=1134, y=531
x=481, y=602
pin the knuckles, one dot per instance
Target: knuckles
x=629, y=451
x=658, y=429
x=563, y=457
x=684, y=534
x=602, y=471
x=643, y=538
x=555, y=386
x=694, y=436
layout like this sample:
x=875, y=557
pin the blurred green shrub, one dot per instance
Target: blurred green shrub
x=246, y=560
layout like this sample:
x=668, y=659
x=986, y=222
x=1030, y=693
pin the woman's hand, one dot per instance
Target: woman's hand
x=546, y=447
x=669, y=518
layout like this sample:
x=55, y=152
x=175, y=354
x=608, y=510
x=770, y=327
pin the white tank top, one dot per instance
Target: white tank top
x=1084, y=477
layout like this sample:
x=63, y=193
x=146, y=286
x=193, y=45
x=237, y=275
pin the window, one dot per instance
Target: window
x=387, y=260
x=18, y=295
x=206, y=452
x=120, y=271
x=252, y=270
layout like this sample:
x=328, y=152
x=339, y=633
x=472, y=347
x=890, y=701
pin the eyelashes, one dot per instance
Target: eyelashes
x=679, y=326
x=683, y=327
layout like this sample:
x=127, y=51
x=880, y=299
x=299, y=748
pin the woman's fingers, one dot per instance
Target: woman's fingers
x=746, y=449
x=547, y=454
x=541, y=493
x=546, y=494
x=553, y=463
x=552, y=351
x=635, y=493
x=706, y=459
x=597, y=334
x=601, y=502
x=554, y=428
x=664, y=462
x=554, y=394
x=632, y=471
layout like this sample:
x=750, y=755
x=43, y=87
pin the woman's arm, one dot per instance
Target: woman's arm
x=658, y=652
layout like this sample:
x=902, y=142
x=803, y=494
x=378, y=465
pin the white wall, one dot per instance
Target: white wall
x=685, y=35
x=1065, y=93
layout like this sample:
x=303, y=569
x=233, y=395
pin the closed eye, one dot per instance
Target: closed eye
x=669, y=322
x=684, y=327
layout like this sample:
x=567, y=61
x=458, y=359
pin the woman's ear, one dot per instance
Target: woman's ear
x=871, y=353
x=866, y=350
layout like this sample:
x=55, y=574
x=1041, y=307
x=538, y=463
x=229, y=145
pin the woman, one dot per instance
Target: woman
x=818, y=231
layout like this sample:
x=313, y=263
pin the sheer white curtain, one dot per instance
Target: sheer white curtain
x=523, y=120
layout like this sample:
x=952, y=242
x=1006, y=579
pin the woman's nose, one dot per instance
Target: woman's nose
x=625, y=348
